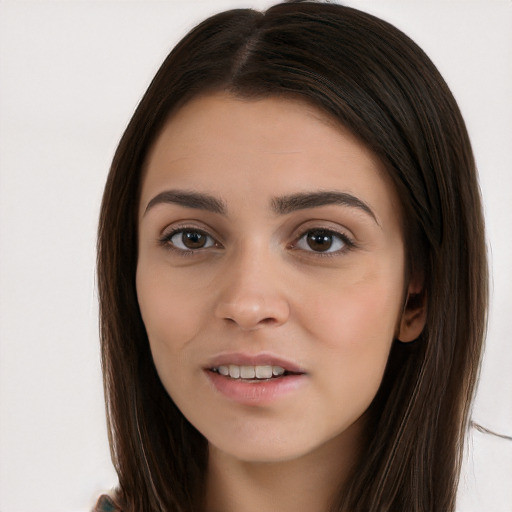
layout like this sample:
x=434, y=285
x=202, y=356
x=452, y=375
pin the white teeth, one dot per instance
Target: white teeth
x=263, y=372
x=223, y=370
x=250, y=372
x=234, y=371
x=277, y=370
x=247, y=372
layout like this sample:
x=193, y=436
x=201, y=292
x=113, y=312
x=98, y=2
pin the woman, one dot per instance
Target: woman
x=292, y=272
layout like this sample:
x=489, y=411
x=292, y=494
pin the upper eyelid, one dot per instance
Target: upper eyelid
x=299, y=232
x=164, y=240
x=167, y=235
x=316, y=224
x=333, y=232
x=176, y=228
x=326, y=226
x=348, y=240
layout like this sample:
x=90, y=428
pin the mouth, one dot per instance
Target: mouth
x=255, y=379
x=252, y=372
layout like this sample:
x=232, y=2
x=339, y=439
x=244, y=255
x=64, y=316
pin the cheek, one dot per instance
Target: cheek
x=356, y=324
x=169, y=315
x=360, y=306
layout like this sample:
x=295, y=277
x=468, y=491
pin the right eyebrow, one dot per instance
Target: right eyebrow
x=304, y=200
x=188, y=199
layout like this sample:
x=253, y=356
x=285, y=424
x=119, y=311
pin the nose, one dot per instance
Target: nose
x=253, y=294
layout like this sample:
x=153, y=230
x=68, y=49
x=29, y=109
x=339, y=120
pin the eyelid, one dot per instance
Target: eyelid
x=171, y=231
x=348, y=241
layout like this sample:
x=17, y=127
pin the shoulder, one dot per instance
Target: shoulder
x=105, y=504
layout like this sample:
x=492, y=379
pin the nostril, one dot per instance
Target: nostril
x=251, y=323
x=252, y=311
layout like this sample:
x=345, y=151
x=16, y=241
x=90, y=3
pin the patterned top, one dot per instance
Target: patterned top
x=106, y=504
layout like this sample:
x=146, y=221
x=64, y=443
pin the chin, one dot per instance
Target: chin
x=282, y=444
x=263, y=452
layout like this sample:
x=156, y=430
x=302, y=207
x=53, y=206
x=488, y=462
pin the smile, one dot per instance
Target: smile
x=260, y=372
x=254, y=380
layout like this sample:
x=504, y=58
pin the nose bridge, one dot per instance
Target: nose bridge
x=252, y=292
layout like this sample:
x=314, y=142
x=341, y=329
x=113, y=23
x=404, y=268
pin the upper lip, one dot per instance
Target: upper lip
x=261, y=359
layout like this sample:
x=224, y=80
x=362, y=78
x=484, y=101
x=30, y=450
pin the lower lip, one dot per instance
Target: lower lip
x=255, y=392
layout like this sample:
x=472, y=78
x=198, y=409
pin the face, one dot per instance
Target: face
x=270, y=273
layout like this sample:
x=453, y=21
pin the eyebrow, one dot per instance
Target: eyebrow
x=187, y=199
x=281, y=205
x=304, y=200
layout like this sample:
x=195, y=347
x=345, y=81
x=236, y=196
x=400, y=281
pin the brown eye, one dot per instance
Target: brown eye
x=191, y=239
x=321, y=240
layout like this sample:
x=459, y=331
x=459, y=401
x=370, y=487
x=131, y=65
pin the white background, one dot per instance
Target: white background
x=71, y=73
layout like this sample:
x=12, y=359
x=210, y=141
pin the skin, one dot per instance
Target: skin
x=257, y=286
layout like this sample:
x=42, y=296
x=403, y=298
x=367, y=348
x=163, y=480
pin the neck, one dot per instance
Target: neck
x=307, y=483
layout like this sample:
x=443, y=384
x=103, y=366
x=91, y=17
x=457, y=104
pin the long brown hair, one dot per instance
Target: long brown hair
x=375, y=81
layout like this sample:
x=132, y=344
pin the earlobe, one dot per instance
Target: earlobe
x=414, y=316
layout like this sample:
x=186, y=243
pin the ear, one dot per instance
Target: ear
x=414, y=314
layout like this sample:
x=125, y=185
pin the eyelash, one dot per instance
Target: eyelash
x=348, y=243
x=165, y=241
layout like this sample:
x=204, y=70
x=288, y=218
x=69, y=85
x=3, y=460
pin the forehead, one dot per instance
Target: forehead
x=207, y=118
x=255, y=148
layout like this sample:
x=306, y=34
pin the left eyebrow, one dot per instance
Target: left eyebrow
x=301, y=201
